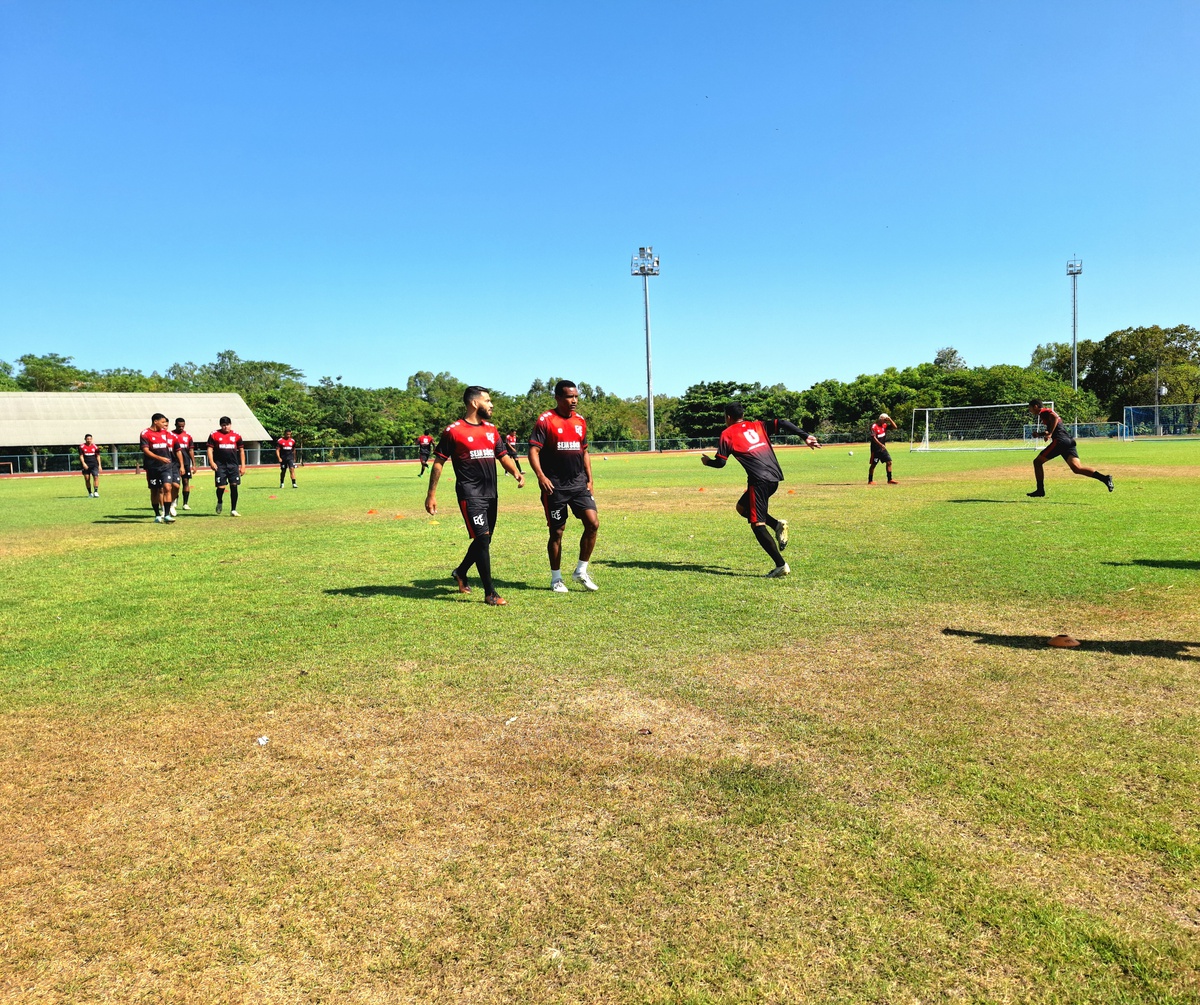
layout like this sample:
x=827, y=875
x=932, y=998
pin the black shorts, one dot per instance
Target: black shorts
x=479, y=515
x=228, y=474
x=556, y=503
x=1063, y=448
x=187, y=473
x=287, y=461
x=423, y=453
x=165, y=474
x=92, y=469
x=755, y=500
x=880, y=454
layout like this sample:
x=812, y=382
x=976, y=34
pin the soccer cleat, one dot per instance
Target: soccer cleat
x=460, y=581
x=168, y=518
x=1036, y=493
x=158, y=518
x=186, y=506
x=219, y=509
x=171, y=512
x=495, y=600
x=892, y=481
x=293, y=485
x=281, y=484
x=558, y=586
x=779, y=571
x=781, y=534
x=584, y=580
x=234, y=512
x=1109, y=482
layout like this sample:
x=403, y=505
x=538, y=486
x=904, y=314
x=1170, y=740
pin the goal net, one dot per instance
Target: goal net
x=1181, y=422
x=976, y=427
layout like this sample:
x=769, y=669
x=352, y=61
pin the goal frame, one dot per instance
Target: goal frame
x=921, y=416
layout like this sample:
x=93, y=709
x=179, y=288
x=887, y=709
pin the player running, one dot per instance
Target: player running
x=750, y=443
x=424, y=446
x=160, y=452
x=1062, y=444
x=558, y=454
x=227, y=458
x=474, y=445
x=285, y=451
x=187, y=452
x=879, y=450
x=511, y=440
x=89, y=460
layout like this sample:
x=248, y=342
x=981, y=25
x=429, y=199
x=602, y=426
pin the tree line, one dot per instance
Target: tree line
x=1121, y=369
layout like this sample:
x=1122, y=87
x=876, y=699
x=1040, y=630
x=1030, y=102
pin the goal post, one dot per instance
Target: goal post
x=976, y=427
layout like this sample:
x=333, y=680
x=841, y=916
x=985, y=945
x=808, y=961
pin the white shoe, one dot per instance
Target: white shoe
x=558, y=586
x=168, y=518
x=584, y=580
x=234, y=512
x=158, y=519
x=779, y=571
x=96, y=494
x=172, y=511
x=781, y=536
x=186, y=506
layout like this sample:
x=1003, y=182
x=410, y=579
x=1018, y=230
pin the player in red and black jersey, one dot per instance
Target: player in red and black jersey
x=285, y=451
x=424, y=447
x=227, y=458
x=511, y=440
x=187, y=452
x=473, y=445
x=749, y=442
x=558, y=454
x=89, y=460
x=1062, y=444
x=879, y=450
x=160, y=456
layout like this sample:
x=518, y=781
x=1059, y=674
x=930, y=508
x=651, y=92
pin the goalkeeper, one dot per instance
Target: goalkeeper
x=1062, y=444
x=750, y=443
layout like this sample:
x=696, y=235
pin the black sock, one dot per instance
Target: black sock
x=187, y=494
x=768, y=544
x=771, y=522
x=1099, y=477
x=220, y=494
x=483, y=562
x=233, y=496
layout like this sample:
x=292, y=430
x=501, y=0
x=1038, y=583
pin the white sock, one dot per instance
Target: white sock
x=556, y=575
x=581, y=569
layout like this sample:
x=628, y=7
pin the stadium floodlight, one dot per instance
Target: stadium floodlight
x=976, y=427
x=1074, y=268
x=645, y=264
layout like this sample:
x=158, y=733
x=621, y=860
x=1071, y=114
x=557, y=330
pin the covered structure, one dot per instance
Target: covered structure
x=37, y=419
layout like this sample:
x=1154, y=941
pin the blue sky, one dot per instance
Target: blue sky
x=371, y=189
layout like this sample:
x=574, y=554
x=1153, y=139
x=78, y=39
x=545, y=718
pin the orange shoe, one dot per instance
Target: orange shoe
x=460, y=581
x=495, y=600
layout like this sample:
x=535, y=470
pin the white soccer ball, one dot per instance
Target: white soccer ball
x=850, y=452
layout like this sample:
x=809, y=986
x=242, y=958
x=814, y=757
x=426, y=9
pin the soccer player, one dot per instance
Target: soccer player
x=511, y=440
x=750, y=443
x=558, y=454
x=161, y=459
x=187, y=452
x=285, y=450
x=424, y=446
x=89, y=460
x=879, y=450
x=227, y=458
x=474, y=445
x=1062, y=444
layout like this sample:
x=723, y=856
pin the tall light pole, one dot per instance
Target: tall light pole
x=1074, y=268
x=645, y=264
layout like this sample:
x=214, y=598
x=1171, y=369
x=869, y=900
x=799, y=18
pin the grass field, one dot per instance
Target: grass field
x=869, y=782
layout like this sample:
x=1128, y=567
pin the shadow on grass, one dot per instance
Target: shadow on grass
x=424, y=589
x=712, y=570
x=1162, y=648
x=1163, y=563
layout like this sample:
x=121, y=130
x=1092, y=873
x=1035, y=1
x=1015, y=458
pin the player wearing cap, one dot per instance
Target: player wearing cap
x=89, y=460
x=227, y=458
x=1062, y=444
x=285, y=451
x=749, y=442
x=160, y=456
x=879, y=450
x=424, y=448
x=558, y=454
x=473, y=445
x=511, y=440
x=187, y=453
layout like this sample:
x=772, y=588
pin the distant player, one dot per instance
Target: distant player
x=89, y=460
x=285, y=450
x=879, y=450
x=227, y=458
x=558, y=454
x=160, y=457
x=1062, y=444
x=474, y=445
x=750, y=444
x=424, y=448
x=187, y=453
x=511, y=440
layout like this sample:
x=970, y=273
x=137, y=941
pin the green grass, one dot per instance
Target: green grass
x=870, y=781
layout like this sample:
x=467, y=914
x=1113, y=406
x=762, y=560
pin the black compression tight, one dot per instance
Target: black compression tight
x=767, y=541
x=480, y=556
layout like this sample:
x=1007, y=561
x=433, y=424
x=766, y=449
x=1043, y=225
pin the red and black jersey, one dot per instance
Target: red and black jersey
x=160, y=442
x=89, y=450
x=1050, y=420
x=562, y=443
x=425, y=443
x=185, y=441
x=285, y=444
x=225, y=448
x=879, y=431
x=473, y=449
x=749, y=441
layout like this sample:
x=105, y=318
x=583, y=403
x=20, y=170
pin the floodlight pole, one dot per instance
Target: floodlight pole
x=1074, y=268
x=645, y=264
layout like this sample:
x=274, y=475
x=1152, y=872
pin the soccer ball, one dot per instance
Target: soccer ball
x=850, y=452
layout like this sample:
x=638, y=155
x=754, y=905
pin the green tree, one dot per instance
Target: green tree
x=51, y=372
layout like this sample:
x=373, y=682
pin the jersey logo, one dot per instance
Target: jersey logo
x=479, y=520
x=491, y=437
x=579, y=430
